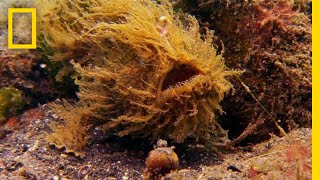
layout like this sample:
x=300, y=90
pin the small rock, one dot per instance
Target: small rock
x=161, y=161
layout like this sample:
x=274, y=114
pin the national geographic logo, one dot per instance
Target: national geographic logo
x=11, y=44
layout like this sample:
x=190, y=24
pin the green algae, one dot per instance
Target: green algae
x=11, y=101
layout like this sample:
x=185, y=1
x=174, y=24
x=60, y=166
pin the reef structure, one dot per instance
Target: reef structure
x=142, y=70
x=271, y=41
x=28, y=70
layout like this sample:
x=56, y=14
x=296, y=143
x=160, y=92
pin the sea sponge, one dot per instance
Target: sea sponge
x=144, y=71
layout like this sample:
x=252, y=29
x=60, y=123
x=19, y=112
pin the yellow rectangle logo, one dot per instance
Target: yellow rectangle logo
x=33, y=44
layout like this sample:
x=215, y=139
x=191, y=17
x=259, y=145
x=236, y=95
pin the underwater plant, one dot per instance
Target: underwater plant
x=144, y=71
x=11, y=101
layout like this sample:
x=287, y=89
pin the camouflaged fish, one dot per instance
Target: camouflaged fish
x=144, y=71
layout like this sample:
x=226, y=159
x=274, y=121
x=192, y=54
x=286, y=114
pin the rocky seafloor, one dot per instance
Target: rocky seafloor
x=25, y=154
x=269, y=41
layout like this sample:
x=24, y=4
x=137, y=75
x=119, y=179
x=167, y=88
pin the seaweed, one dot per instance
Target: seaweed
x=11, y=101
x=144, y=71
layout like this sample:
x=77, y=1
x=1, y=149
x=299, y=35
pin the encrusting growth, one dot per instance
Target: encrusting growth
x=271, y=41
x=143, y=71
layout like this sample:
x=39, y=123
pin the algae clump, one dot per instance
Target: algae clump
x=11, y=100
x=144, y=71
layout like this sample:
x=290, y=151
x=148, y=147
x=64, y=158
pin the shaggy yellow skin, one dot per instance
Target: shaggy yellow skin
x=145, y=71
